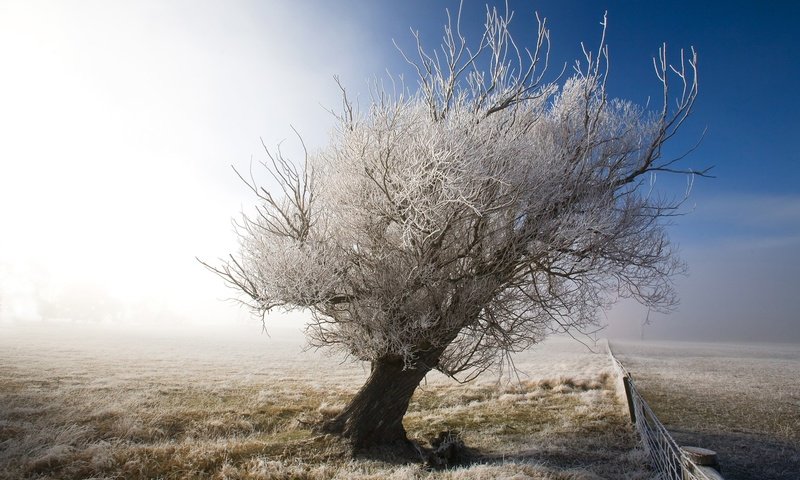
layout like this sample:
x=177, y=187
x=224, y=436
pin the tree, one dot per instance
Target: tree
x=446, y=227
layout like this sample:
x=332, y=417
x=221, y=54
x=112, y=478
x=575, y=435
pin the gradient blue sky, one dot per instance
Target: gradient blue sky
x=120, y=121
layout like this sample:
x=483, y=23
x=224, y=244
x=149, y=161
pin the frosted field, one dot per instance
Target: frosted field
x=741, y=400
x=80, y=402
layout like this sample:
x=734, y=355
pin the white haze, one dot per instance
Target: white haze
x=120, y=121
x=742, y=253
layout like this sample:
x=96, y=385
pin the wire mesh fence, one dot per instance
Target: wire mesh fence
x=667, y=458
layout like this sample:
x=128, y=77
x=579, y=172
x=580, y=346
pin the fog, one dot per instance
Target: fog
x=120, y=123
x=742, y=258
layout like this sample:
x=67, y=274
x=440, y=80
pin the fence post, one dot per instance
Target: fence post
x=704, y=461
x=626, y=382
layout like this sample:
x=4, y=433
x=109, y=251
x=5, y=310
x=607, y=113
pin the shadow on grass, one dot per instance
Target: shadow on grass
x=608, y=454
x=575, y=454
x=746, y=456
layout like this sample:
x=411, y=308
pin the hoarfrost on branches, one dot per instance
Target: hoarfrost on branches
x=449, y=225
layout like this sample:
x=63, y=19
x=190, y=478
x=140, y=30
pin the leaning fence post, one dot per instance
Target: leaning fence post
x=626, y=382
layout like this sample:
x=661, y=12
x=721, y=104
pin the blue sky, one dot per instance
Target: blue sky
x=121, y=121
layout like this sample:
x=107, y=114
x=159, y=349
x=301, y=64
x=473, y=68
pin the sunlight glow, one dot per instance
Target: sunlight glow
x=120, y=123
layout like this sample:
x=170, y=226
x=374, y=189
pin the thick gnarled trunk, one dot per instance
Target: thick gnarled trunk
x=374, y=416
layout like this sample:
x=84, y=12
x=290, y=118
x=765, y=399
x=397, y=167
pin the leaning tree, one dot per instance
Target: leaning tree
x=446, y=227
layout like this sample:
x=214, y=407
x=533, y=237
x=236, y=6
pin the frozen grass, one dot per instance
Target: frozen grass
x=77, y=402
x=741, y=400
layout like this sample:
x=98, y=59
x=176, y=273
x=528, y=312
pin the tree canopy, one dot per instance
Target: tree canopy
x=451, y=223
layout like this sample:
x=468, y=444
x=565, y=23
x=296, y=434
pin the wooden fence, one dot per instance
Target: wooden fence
x=669, y=460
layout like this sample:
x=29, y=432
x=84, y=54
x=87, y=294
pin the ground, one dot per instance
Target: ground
x=740, y=400
x=88, y=402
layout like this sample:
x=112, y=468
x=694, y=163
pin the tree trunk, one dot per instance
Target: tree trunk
x=375, y=415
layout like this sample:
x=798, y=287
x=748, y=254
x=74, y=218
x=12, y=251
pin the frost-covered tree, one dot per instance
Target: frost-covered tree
x=446, y=227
